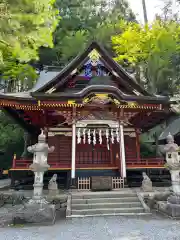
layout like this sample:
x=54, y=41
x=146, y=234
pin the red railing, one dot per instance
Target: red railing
x=21, y=163
x=145, y=162
x=130, y=163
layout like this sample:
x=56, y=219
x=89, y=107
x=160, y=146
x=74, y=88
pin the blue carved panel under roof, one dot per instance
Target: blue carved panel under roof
x=91, y=69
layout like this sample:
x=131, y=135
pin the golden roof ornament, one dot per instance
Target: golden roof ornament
x=94, y=55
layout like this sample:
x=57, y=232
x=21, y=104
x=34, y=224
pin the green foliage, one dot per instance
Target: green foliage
x=25, y=26
x=10, y=132
x=104, y=31
x=147, y=150
x=11, y=140
x=21, y=72
x=70, y=45
x=83, y=21
x=151, y=49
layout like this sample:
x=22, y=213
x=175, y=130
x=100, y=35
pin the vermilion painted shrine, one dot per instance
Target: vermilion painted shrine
x=92, y=112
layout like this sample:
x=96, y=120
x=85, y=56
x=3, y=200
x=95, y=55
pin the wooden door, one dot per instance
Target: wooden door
x=97, y=154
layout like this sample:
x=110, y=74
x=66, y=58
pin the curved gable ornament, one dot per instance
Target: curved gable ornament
x=100, y=99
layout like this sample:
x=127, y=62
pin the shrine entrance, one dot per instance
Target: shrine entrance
x=93, y=154
x=97, y=144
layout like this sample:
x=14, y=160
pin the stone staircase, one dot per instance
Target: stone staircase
x=104, y=203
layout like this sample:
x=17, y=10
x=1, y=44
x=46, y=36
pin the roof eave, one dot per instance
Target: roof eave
x=101, y=89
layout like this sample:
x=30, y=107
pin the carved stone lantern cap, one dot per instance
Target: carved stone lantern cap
x=42, y=136
x=170, y=138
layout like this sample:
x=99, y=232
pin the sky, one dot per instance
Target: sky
x=153, y=7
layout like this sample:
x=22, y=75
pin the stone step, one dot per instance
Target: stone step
x=105, y=205
x=111, y=211
x=109, y=214
x=105, y=200
x=111, y=194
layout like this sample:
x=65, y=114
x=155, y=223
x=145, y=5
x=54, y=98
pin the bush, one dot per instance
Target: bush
x=147, y=150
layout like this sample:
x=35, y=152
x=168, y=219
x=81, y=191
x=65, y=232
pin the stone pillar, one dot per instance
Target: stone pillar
x=73, y=161
x=122, y=151
x=38, y=185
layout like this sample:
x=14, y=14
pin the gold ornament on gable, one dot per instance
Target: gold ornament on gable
x=94, y=55
x=101, y=98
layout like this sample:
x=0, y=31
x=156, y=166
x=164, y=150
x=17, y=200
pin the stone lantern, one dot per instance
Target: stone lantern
x=173, y=165
x=40, y=154
x=37, y=209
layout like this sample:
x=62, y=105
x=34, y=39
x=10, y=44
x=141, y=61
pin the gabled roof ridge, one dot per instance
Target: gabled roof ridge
x=73, y=61
x=80, y=58
x=102, y=49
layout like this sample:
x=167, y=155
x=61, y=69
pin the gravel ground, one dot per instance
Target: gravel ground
x=105, y=228
x=5, y=183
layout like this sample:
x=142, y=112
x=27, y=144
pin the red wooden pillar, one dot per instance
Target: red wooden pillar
x=118, y=162
x=14, y=161
x=138, y=145
x=45, y=116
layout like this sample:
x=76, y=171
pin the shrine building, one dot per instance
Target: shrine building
x=93, y=112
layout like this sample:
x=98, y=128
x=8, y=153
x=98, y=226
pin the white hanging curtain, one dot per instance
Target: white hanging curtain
x=112, y=136
x=79, y=136
x=100, y=136
x=89, y=136
x=84, y=135
x=117, y=135
x=94, y=137
x=107, y=138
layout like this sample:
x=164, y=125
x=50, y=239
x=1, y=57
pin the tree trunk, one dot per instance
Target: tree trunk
x=145, y=12
x=27, y=142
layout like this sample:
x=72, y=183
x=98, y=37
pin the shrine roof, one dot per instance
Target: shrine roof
x=17, y=95
x=44, y=77
x=53, y=84
x=62, y=76
x=71, y=94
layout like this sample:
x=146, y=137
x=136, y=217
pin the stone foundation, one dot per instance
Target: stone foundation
x=36, y=214
x=171, y=207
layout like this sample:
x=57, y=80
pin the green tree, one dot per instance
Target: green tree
x=84, y=21
x=25, y=26
x=11, y=140
x=151, y=51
